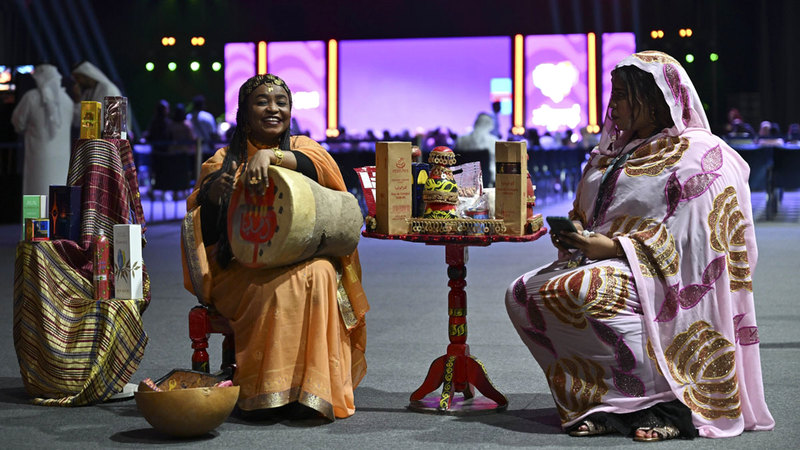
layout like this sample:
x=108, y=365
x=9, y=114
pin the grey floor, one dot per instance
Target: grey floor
x=407, y=328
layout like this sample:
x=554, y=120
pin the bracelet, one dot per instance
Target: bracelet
x=278, y=156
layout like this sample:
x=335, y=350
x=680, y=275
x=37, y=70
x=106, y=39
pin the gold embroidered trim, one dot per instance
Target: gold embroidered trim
x=277, y=399
x=419, y=225
x=345, y=307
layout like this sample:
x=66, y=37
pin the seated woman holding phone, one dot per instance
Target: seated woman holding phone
x=645, y=325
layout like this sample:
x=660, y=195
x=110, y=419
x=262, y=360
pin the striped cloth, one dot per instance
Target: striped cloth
x=74, y=350
x=109, y=189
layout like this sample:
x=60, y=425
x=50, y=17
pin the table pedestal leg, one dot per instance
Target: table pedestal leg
x=457, y=372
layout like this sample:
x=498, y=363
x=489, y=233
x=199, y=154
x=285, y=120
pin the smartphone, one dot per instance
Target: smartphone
x=560, y=223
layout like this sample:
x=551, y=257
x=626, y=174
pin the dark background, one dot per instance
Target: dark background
x=757, y=40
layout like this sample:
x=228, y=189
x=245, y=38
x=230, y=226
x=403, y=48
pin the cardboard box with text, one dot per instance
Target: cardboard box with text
x=511, y=187
x=33, y=207
x=393, y=182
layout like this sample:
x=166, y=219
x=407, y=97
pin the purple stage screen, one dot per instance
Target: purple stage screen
x=302, y=66
x=419, y=84
x=616, y=47
x=240, y=64
x=556, y=93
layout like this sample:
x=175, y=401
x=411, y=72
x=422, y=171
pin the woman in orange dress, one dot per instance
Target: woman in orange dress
x=299, y=330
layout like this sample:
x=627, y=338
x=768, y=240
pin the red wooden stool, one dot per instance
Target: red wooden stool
x=204, y=320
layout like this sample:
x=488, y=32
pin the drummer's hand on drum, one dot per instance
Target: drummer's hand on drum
x=256, y=176
x=222, y=186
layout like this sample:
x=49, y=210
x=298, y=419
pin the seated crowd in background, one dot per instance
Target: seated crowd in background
x=737, y=131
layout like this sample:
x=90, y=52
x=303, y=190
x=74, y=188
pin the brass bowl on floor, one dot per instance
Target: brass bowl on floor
x=186, y=412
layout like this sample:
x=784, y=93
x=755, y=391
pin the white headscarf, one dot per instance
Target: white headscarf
x=48, y=82
x=90, y=70
x=685, y=106
x=481, y=136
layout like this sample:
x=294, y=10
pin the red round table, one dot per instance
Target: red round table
x=457, y=370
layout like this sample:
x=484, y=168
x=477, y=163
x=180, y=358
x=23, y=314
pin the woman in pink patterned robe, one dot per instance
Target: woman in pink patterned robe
x=647, y=325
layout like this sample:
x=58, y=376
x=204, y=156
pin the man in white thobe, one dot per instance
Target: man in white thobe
x=44, y=116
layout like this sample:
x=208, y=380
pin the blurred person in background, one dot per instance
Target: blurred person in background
x=44, y=115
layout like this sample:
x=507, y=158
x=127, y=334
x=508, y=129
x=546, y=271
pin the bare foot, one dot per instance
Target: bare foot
x=645, y=433
x=662, y=433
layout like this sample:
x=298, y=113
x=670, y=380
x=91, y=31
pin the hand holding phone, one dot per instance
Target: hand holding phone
x=559, y=223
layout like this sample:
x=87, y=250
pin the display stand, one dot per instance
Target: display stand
x=457, y=371
x=73, y=349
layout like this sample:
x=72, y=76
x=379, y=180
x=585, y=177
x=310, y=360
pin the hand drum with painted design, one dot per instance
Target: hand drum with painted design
x=295, y=220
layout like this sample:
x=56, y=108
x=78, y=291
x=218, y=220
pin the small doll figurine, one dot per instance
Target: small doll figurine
x=441, y=192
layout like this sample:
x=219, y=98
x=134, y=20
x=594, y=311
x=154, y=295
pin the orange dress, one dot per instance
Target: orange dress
x=299, y=330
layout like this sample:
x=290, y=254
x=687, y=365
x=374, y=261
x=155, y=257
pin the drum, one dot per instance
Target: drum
x=295, y=220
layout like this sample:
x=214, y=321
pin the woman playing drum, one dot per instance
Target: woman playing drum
x=299, y=329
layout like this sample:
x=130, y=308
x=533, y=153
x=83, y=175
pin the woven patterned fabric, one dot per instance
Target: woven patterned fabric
x=72, y=350
x=110, y=193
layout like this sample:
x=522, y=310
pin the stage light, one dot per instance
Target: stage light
x=657, y=34
x=332, y=129
x=194, y=65
x=261, y=64
x=198, y=41
x=172, y=66
x=167, y=41
x=713, y=57
x=149, y=66
x=591, y=44
x=689, y=58
x=216, y=66
x=518, y=123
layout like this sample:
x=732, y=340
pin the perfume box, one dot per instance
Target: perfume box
x=511, y=185
x=33, y=207
x=393, y=180
x=37, y=230
x=115, y=118
x=128, y=276
x=65, y=212
x=91, y=116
